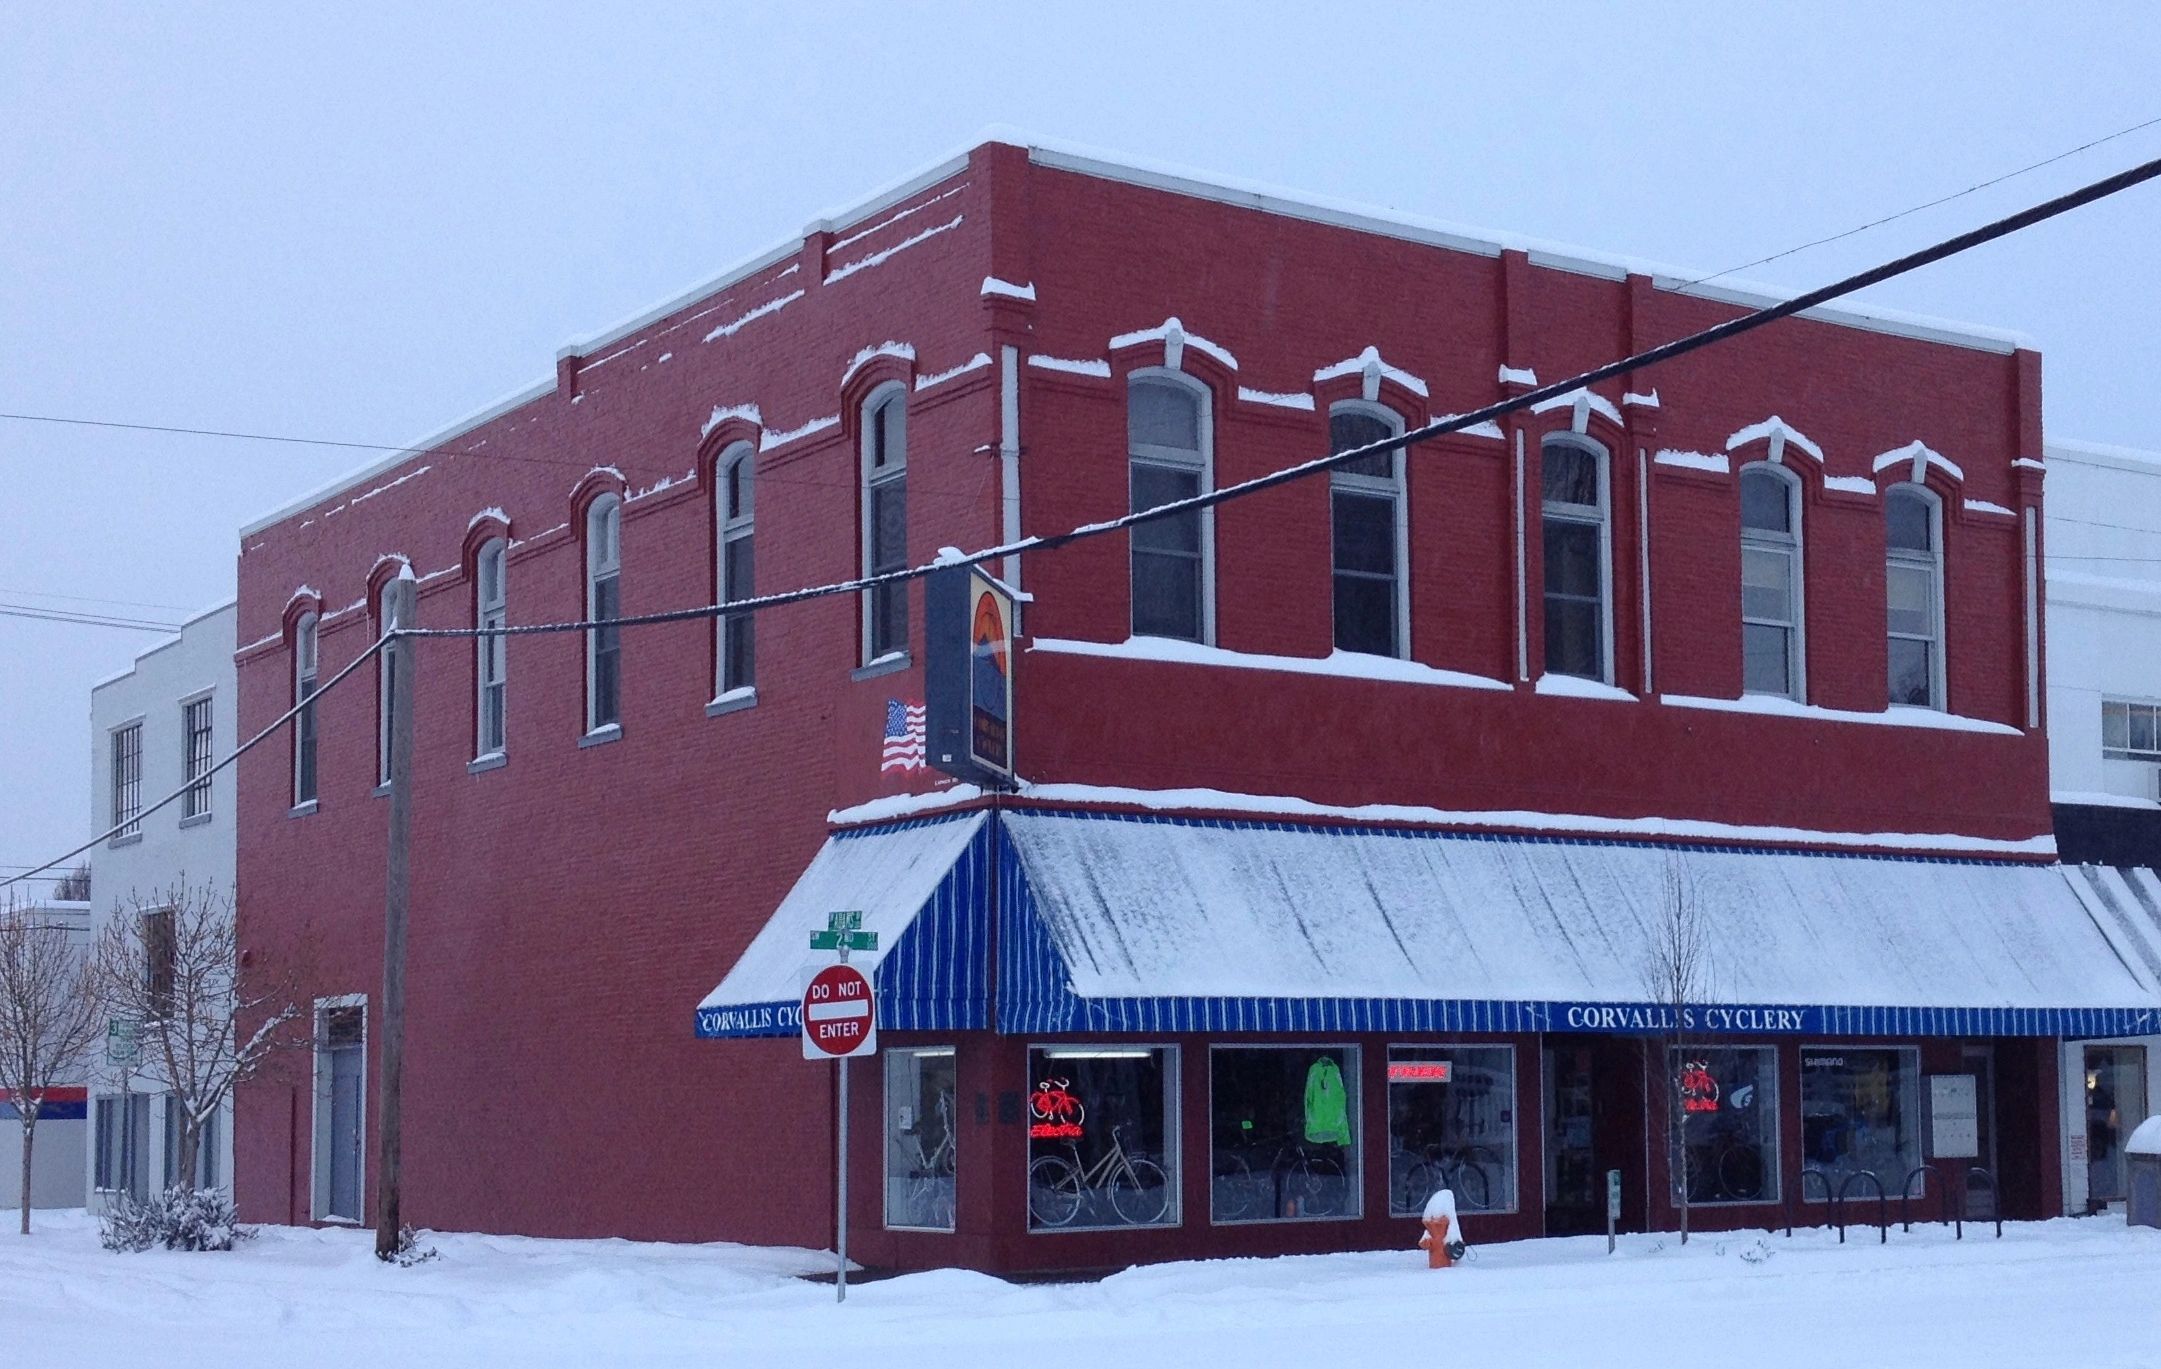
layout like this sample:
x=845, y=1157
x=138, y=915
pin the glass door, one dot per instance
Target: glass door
x=2115, y=1103
x=1575, y=1192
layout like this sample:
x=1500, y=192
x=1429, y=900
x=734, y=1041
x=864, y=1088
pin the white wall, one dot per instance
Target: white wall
x=2103, y=549
x=197, y=662
x=56, y=1163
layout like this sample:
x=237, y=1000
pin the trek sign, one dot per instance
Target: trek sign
x=840, y=1015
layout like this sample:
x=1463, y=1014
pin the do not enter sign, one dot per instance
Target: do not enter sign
x=840, y=1016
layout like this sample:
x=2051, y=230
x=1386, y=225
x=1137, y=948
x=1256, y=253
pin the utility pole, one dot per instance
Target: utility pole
x=399, y=597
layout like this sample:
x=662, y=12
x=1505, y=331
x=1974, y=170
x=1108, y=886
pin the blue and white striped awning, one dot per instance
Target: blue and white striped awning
x=1148, y=924
x=921, y=886
x=1109, y=923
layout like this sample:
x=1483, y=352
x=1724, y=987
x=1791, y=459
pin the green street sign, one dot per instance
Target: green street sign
x=844, y=922
x=844, y=941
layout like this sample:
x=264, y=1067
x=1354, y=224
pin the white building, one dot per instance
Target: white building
x=155, y=728
x=56, y=1156
x=2103, y=548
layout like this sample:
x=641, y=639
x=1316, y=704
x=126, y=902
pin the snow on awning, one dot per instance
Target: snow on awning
x=1154, y=924
x=920, y=886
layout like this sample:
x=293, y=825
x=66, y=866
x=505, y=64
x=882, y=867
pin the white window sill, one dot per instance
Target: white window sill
x=380, y=791
x=125, y=839
x=601, y=736
x=1576, y=687
x=494, y=760
x=301, y=810
x=887, y=664
x=733, y=701
x=198, y=820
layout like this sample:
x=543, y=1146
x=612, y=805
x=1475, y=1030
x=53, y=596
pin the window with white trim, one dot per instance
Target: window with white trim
x=603, y=605
x=735, y=569
x=1913, y=591
x=1168, y=450
x=2130, y=731
x=304, y=666
x=491, y=664
x=885, y=520
x=1572, y=503
x=1365, y=505
x=127, y=773
x=195, y=743
x=1771, y=658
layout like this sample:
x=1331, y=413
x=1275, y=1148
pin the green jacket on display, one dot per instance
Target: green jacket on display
x=1328, y=1119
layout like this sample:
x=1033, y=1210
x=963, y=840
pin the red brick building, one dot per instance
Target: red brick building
x=1348, y=810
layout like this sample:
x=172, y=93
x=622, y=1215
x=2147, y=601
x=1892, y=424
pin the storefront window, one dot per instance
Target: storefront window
x=1102, y=1137
x=919, y=1138
x=1729, y=1123
x=2115, y=1103
x=1283, y=1133
x=1860, y=1110
x=1452, y=1125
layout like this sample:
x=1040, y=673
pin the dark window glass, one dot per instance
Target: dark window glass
x=1912, y=672
x=1575, y=600
x=1908, y=525
x=1860, y=1109
x=1164, y=414
x=1283, y=1133
x=1101, y=1149
x=738, y=632
x=1766, y=504
x=1354, y=429
x=304, y=747
x=1766, y=665
x=1729, y=1112
x=921, y=1139
x=1570, y=475
x=1166, y=555
x=888, y=528
x=1451, y=1124
x=128, y=778
x=195, y=729
x=1365, y=572
x=607, y=652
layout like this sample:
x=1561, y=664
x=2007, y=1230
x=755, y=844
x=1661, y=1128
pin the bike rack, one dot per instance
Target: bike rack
x=1883, y=1206
x=1953, y=1217
x=1808, y=1172
x=1995, y=1196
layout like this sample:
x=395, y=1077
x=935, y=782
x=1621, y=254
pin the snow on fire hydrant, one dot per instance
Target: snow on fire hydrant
x=1443, y=1241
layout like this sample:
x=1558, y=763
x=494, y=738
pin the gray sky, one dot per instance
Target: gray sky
x=360, y=222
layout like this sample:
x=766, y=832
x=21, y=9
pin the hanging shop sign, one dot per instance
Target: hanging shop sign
x=968, y=676
x=1418, y=1071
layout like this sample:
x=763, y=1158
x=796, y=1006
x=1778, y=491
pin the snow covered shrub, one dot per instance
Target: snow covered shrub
x=409, y=1251
x=178, y=1219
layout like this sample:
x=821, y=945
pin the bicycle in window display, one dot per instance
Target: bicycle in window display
x=1416, y=1173
x=930, y=1189
x=1305, y=1179
x=1135, y=1188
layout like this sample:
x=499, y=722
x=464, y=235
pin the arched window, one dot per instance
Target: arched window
x=491, y=662
x=735, y=569
x=304, y=675
x=1365, y=499
x=386, y=689
x=1573, y=516
x=1771, y=583
x=1167, y=443
x=885, y=520
x=604, y=604
x=1913, y=590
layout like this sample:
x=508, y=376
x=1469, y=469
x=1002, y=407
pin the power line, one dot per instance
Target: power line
x=91, y=599
x=38, y=613
x=1944, y=199
x=204, y=778
x=1644, y=360
x=1654, y=356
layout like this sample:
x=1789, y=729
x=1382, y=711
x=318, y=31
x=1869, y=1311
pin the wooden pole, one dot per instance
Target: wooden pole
x=399, y=600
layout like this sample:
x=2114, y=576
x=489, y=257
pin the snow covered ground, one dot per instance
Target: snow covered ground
x=2080, y=1294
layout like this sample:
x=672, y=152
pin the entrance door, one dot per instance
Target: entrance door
x=345, y=1132
x=2115, y=1103
x=1980, y=1062
x=1575, y=1186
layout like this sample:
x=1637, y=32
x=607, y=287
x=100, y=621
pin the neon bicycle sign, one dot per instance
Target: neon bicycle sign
x=1058, y=1114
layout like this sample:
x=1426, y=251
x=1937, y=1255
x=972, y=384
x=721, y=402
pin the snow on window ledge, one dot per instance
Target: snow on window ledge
x=1576, y=687
x=732, y=701
x=887, y=664
x=493, y=760
x=301, y=810
x=601, y=735
x=1777, y=705
x=1341, y=664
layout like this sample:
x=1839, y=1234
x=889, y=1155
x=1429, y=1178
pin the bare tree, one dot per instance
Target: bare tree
x=74, y=886
x=170, y=964
x=1677, y=977
x=48, y=1018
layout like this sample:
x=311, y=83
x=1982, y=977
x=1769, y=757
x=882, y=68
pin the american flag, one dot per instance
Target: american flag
x=906, y=748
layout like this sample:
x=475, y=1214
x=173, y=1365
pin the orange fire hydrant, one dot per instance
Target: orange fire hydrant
x=1435, y=1243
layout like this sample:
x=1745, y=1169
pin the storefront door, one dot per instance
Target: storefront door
x=2115, y=1103
x=1575, y=1186
x=1980, y=1062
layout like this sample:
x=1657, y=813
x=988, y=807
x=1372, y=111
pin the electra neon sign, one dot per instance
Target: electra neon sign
x=1699, y=1091
x=1057, y=1112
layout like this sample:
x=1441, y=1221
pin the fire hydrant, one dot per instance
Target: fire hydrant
x=1441, y=1246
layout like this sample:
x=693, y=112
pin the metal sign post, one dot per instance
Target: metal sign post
x=1613, y=1205
x=840, y=1022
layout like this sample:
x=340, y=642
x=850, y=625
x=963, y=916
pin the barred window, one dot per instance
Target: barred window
x=195, y=757
x=127, y=757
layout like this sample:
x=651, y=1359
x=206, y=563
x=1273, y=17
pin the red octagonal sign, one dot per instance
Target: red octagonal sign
x=840, y=1015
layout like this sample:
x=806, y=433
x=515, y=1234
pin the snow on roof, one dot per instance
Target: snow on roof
x=1147, y=907
x=186, y=624
x=1585, y=402
x=1345, y=664
x=1007, y=289
x=2145, y=1138
x=880, y=258
x=2064, y=449
x=888, y=876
